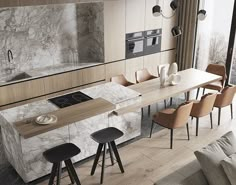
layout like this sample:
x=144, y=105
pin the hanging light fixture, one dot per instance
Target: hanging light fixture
x=174, y=4
x=176, y=31
x=156, y=10
x=202, y=13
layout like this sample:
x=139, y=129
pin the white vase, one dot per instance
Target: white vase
x=173, y=69
x=163, y=76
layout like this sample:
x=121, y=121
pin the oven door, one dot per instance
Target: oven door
x=134, y=47
x=152, y=44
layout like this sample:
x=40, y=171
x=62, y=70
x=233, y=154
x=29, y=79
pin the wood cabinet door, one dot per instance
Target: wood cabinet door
x=114, y=69
x=132, y=65
x=168, y=57
x=114, y=30
x=151, y=62
x=135, y=15
x=93, y=74
x=168, y=41
x=152, y=22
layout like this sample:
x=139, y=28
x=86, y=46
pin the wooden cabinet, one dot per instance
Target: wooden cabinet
x=152, y=22
x=21, y=91
x=168, y=57
x=168, y=41
x=114, y=69
x=151, y=62
x=132, y=65
x=93, y=74
x=114, y=30
x=135, y=15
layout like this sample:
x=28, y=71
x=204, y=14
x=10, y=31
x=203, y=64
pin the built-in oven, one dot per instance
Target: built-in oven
x=134, y=44
x=152, y=42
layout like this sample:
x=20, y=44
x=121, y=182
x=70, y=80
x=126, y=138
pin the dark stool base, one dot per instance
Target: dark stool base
x=112, y=148
x=56, y=171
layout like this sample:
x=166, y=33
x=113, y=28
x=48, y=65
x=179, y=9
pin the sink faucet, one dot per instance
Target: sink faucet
x=9, y=54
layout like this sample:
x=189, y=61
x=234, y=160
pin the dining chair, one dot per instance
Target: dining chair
x=216, y=69
x=120, y=79
x=225, y=98
x=202, y=108
x=173, y=118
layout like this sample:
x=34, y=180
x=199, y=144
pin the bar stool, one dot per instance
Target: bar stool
x=104, y=137
x=58, y=154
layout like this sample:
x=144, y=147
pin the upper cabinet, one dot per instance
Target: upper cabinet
x=135, y=15
x=152, y=22
x=168, y=41
x=114, y=30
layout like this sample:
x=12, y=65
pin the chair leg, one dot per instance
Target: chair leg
x=198, y=89
x=103, y=164
x=53, y=173
x=187, y=131
x=165, y=103
x=171, y=138
x=113, y=144
x=231, y=107
x=59, y=174
x=211, y=120
x=151, y=128
x=203, y=91
x=99, y=150
x=111, y=153
x=149, y=109
x=197, y=121
x=171, y=101
x=70, y=174
x=219, y=112
x=72, y=170
x=142, y=112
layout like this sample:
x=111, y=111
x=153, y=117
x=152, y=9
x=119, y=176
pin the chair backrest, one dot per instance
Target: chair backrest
x=120, y=79
x=226, y=97
x=205, y=106
x=218, y=70
x=143, y=75
x=182, y=114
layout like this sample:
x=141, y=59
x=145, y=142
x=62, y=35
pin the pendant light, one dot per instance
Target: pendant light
x=176, y=31
x=202, y=13
x=156, y=10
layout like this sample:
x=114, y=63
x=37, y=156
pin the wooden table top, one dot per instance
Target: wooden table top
x=28, y=128
x=152, y=92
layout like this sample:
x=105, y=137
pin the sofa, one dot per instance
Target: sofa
x=215, y=165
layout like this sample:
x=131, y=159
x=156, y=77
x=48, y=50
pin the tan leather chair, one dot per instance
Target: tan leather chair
x=120, y=79
x=225, y=99
x=202, y=108
x=173, y=118
x=143, y=75
x=218, y=85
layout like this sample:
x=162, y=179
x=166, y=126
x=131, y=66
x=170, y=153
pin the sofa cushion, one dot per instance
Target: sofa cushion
x=229, y=166
x=209, y=158
x=197, y=178
x=228, y=143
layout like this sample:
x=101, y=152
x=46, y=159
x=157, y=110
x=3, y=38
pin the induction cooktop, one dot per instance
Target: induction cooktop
x=70, y=99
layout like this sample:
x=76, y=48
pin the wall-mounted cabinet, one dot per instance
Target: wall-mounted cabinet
x=151, y=62
x=114, y=30
x=93, y=74
x=132, y=65
x=152, y=22
x=113, y=69
x=135, y=15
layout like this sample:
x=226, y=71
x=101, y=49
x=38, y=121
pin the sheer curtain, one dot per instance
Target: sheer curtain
x=185, y=42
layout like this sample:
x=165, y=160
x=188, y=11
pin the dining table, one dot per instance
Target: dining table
x=152, y=92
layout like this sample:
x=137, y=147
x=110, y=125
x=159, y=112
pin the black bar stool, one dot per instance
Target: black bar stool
x=104, y=137
x=58, y=154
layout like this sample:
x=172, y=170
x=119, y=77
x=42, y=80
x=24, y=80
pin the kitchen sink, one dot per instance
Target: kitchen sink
x=20, y=76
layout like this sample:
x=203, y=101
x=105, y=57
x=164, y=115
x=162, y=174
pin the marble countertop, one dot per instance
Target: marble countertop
x=45, y=71
x=112, y=92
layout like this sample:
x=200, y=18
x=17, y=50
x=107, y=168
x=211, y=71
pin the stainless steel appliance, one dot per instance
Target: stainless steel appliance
x=152, y=42
x=134, y=44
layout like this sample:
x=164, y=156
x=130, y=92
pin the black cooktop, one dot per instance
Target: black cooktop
x=70, y=99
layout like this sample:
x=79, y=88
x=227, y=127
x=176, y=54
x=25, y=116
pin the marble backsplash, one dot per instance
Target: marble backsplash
x=41, y=36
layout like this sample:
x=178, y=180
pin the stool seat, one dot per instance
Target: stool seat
x=61, y=153
x=106, y=135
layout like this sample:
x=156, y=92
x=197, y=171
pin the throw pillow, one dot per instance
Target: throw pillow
x=229, y=165
x=228, y=143
x=209, y=158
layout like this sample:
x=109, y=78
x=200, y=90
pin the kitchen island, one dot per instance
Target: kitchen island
x=24, y=141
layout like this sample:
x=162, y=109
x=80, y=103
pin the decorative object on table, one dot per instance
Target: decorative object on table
x=173, y=69
x=46, y=119
x=174, y=79
x=202, y=12
x=163, y=76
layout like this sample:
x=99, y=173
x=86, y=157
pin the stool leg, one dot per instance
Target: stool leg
x=53, y=173
x=59, y=174
x=72, y=170
x=111, y=154
x=70, y=174
x=103, y=163
x=113, y=144
x=96, y=158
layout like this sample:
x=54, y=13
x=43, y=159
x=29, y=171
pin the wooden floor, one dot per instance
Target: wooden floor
x=148, y=160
